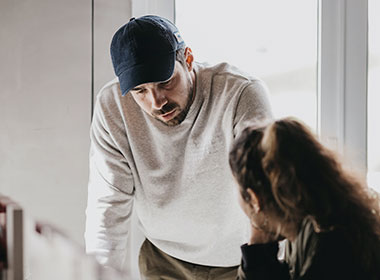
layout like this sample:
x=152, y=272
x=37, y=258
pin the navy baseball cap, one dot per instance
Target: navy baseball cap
x=144, y=51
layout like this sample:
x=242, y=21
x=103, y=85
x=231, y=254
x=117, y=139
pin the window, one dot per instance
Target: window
x=277, y=41
x=278, y=45
x=373, y=95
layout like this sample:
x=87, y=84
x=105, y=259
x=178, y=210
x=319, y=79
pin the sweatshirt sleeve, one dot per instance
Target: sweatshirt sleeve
x=259, y=261
x=253, y=106
x=110, y=192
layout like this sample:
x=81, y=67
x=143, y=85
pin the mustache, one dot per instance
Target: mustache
x=166, y=109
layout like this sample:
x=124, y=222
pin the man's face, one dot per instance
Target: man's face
x=168, y=101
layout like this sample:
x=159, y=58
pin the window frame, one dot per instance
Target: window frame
x=342, y=74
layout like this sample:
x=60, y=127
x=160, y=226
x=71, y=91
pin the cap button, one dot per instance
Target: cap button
x=132, y=19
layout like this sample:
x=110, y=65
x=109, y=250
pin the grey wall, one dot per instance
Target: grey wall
x=45, y=102
x=109, y=16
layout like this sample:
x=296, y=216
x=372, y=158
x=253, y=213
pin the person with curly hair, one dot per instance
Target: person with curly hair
x=294, y=188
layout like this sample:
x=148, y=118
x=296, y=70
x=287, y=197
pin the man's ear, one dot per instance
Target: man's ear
x=189, y=58
x=253, y=200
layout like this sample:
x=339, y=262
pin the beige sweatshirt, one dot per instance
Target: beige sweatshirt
x=178, y=178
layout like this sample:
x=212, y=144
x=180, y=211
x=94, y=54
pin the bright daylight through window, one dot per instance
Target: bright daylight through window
x=373, y=94
x=277, y=45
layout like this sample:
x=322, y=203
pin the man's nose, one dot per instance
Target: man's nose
x=158, y=99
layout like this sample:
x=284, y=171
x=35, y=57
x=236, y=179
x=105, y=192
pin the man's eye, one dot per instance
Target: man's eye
x=167, y=83
x=140, y=91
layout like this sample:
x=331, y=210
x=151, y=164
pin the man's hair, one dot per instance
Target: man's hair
x=180, y=56
x=294, y=176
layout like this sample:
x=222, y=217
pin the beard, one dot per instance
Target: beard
x=173, y=105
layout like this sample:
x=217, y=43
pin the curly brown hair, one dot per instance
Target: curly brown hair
x=294, y=176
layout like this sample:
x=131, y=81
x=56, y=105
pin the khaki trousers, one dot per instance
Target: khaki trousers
x=157, y=265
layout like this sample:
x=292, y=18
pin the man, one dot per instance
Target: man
x=160, y=139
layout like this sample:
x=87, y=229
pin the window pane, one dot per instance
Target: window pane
x=374, y=94
x=279, y=45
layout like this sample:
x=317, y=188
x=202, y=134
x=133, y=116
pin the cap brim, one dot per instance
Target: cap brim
x=155, y=70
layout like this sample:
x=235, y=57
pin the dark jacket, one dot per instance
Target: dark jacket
x=311, y=256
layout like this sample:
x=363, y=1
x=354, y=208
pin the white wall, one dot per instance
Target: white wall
x=45, y=102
